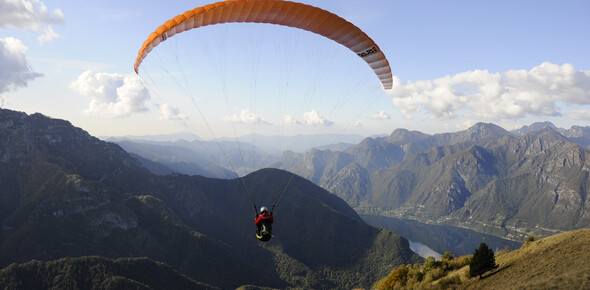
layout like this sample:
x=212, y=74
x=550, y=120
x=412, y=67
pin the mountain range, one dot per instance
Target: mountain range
x=66, y=194
x=512, y=184
x=223, y=157
x=270, y=144
x=529, y=181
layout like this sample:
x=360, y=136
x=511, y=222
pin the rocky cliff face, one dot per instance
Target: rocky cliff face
x=484, y=178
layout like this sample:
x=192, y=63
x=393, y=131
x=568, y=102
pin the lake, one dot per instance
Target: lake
x=436, y=239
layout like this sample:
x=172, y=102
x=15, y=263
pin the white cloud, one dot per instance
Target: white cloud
x=464, y=125
x=112, y=95
x=48, y=35
x=312, y=118
x=495, y=96
x=27, y=14
x=2, y=101
x=578, y=114
x=15, y=71
x=288, y=119
x=246, y=117
x=30, y=15
x=170, y=112
x=355, y=124
x=380, y=116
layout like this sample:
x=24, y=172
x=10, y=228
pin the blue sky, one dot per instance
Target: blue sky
x=455, y=63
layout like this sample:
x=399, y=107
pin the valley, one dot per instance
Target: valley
x=69, y=194
x=485, y=178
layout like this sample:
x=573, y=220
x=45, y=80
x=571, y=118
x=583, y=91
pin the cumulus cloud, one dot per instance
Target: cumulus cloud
x=380, y=116
x=246, y=117
x=30, y=15
x=48, y=35
x=170, y=112
x=464, y=125
x=312, y=118
x=112, y=95
x=495, y=96
x=578, y=114
x=2, y=101
x=15, y=71
x=288, y=119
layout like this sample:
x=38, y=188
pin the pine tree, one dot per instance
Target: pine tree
x=483, y=260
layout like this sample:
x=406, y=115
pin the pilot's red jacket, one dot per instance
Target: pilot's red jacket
x=263, y=218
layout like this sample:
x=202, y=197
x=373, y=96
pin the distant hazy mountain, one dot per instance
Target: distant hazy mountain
x=297, y=143
x=178, y=157
x=269, y=144
x=580, y=135
x=335, y=147
x=64, y=193
x=153, y=138
x=536, y=126
x=225, y=157
x=576, y=134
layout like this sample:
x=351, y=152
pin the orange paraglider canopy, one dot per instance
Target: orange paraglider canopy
x=278, y=12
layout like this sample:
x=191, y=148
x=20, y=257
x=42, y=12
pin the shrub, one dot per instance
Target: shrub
x=398, y=276
x=416, y=273
x=431, y=263
x=482, y=261
x=460, y=262
x=447, y=256
x=528, y=240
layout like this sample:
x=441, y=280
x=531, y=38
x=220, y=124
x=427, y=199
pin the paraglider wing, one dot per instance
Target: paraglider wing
x=278, y=12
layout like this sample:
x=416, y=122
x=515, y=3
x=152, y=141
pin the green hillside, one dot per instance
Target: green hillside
x=95, y=272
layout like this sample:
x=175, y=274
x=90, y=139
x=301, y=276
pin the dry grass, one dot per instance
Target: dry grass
x=558, y=262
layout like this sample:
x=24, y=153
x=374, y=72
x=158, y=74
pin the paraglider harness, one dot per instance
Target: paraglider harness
x=264, y=232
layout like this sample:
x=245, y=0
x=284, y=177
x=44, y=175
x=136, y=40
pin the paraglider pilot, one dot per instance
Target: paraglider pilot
x=263, y=224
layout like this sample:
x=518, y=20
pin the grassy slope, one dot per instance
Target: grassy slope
x=560, y=261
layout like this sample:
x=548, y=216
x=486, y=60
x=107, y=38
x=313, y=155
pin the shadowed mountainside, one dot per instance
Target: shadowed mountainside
x=95, y=272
